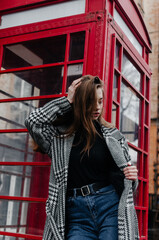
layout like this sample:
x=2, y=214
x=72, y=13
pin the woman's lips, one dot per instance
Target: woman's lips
x=95, y=114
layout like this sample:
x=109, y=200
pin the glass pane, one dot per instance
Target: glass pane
x=117, y=50
x=145, y=140
x=43, y=13
x=18, y=147
x=130, y=72
x=24, y=181
x=9, y=237
x=77, y=46
x=146, y=113
x=22, y=217
x=127, y=31
x=147, y=88
x=145, y=188
x=35, y=52
x=115, y=87
x=13, y=114
x=145, y=168
x=134, y=157
x=138, y=195
x=144, y=223
x=129, y=115
x=114, y=113
x=74, y=72
x=46, y=81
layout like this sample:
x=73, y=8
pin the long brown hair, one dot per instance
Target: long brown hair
x=83, y=105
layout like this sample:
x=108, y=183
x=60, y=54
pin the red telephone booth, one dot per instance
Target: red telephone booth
x=44, y=45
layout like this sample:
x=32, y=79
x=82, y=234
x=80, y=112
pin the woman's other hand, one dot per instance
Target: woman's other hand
x=131, y=172
x=72, y=88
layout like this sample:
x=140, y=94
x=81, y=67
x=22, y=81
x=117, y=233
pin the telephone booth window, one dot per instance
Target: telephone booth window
x=125, y=28
x=129, y=115
x=32, y=73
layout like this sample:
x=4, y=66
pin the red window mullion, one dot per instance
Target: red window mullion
x=65, y=63
x=25, y=199
x=20, y=235
x=111, y=79
x=139, y=94
x=25, y=163
x=142, y=112
x=85, y=51
x=12, y=70
x=13, y=130
x=32, y=98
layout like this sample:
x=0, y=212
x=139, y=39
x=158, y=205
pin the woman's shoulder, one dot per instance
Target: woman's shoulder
x=114, y=132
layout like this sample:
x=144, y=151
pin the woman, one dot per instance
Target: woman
x=91, y=180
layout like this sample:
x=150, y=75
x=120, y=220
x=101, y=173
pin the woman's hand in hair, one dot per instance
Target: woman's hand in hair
x=131, y=172
x=72, y=88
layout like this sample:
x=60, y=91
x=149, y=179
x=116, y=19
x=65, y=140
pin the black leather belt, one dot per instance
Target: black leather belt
x=86, y=190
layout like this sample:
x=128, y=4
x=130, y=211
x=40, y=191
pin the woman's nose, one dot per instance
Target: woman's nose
x=97, y=106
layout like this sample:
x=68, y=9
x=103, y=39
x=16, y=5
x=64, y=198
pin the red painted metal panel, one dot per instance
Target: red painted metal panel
x=50, y=25
x=94, y=5
x=10, y=4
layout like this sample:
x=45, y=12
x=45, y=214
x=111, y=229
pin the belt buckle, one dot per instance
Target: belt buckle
x=88, y=192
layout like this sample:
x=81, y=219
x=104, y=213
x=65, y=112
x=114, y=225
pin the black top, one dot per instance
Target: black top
x=93, y=168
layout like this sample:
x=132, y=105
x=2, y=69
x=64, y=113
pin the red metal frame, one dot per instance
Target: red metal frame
x=102, y=33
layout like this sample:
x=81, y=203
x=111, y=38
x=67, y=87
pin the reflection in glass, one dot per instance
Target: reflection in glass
x=24, y=181
x=9, y=237
x=137, y=199
x=77, y=43
x=117, y=49
x=13, y=114
x=134, y=157
x=114, y=113
x=127, y=31
x=17, y=147
x=22, y=217
x=129, y=115
x=74, y=71
x=115, y=87
x=130, y=72
x=46, y=81
x=35, y=52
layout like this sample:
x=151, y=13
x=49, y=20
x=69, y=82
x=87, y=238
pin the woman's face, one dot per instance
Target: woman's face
x=99, y=104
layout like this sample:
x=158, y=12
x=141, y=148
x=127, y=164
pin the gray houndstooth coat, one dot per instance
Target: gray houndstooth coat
x=40, y=126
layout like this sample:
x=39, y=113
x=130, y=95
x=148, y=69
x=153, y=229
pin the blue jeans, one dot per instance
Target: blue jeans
x=94, y=216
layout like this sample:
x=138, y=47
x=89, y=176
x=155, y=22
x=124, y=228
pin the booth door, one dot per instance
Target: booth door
x=128, y=109
x=35, y=68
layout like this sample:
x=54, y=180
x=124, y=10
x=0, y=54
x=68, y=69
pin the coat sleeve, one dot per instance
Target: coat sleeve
x=125, y=148
x=40, y=121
